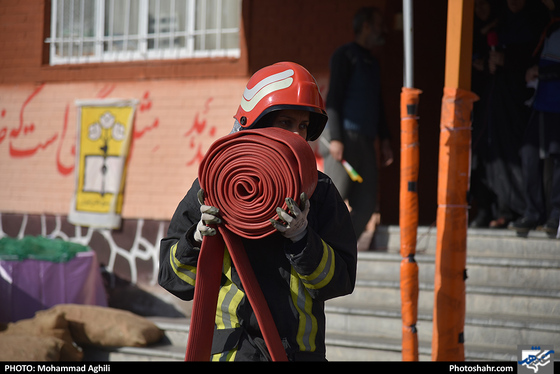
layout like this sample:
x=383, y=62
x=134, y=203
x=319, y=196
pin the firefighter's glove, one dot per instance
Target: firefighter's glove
x=293, y=223
x=208, y=216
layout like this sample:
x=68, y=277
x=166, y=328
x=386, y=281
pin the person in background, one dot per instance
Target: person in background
x=357, y=118
x=310, y=258
x=505, y=112
x=485, y=19
x=542, y=138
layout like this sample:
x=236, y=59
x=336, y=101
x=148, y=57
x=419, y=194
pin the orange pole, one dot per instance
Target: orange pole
x=408, y=221
x=453, y=184
x=458, y=55
x=452, y=214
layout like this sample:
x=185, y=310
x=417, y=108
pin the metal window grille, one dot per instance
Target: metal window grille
x=86, y=31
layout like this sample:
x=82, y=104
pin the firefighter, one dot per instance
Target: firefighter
x=310, y=256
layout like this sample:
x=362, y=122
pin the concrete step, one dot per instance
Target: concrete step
x=487, y=300
x=356, y=333
x=171, y=348
x=481, y=271
x=497, y=331
x=349, y=347
x=512, y=296
x=341, y=346
x=161, y=352
x=356, y=347
x=480, y=242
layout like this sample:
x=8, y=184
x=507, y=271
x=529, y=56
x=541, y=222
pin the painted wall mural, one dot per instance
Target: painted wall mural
x=104, y=132
x=175, y=122
x=131, y=252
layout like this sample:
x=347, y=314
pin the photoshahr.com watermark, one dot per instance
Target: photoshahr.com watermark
x=530, y=360
x=483, y=368
x=535, y=359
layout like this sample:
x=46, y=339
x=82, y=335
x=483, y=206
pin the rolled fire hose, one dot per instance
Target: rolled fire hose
x=246, y=175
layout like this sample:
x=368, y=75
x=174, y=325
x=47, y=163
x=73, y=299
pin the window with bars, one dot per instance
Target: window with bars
x=85, y=31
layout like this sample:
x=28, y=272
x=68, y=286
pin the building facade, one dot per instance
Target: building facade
x=185, y=63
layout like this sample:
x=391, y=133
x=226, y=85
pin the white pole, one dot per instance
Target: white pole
x=408, y=44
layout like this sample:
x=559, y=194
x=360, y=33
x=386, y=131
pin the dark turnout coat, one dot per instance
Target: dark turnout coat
x=296, y=278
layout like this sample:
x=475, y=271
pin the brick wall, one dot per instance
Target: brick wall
x=25, y=25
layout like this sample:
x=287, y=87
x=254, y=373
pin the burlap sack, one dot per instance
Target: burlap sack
x=29, y=348
x=110, y=327
x=45, y=324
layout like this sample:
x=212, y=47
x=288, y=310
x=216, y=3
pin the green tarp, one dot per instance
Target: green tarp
x=39, y=248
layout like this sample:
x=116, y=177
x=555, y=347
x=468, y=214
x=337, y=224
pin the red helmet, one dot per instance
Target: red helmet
x=284, y=85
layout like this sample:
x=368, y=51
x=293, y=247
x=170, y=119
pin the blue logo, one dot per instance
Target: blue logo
x=535, y=359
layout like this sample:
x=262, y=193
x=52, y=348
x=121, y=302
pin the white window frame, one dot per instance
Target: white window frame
x=143, y=52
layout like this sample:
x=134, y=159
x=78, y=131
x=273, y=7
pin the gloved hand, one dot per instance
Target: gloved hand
x=293, y=224
x=208, y=216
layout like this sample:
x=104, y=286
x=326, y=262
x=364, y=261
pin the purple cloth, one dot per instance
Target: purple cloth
x=31, y=285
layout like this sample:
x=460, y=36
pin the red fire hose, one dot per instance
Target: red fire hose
x=246, y=175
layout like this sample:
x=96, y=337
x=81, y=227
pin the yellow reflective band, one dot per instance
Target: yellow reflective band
x=324, y=272
x=307, y=327
x=186, y=273
x=229, y=298
x=225, y=356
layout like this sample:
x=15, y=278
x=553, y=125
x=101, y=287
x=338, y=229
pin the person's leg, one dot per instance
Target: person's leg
x=340, y=178
x=363, y=200
x=483, y=198
x=363, y=196
x=551, y=225
x=552, y=123
x=532, y=178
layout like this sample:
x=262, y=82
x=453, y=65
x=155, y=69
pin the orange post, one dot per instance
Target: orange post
x=458, y=54
x=408, y=221
x=452, y=214
x=453, y=184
